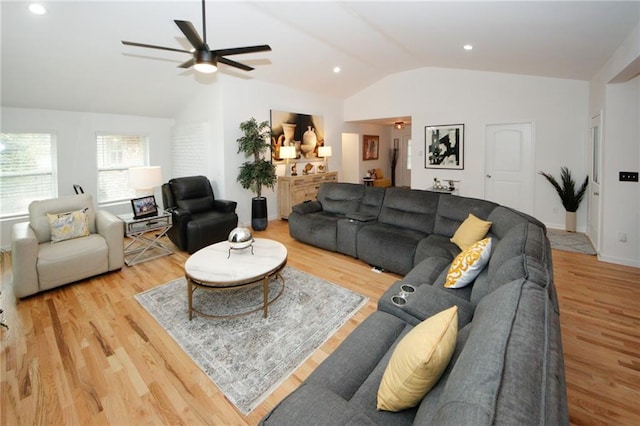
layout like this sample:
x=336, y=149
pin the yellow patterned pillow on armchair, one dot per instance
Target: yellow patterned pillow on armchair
x=468, y=264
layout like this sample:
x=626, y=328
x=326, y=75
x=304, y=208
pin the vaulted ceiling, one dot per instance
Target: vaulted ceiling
x=71, y=58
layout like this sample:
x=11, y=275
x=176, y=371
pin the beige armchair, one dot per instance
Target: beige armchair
x=40, y=264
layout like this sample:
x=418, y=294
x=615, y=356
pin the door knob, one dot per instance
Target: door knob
x=596, y=193
x=489, y=176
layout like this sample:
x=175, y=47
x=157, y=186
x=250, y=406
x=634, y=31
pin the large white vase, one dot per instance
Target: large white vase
x=309, y=142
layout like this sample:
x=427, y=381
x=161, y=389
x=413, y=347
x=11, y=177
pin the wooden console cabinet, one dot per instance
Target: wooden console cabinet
x=294, y=190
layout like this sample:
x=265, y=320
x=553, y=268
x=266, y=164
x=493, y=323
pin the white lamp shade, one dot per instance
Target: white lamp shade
x=324, y=151
x=145, y=177
x=288, y=152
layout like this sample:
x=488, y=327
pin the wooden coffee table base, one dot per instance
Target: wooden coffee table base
x=192, y=285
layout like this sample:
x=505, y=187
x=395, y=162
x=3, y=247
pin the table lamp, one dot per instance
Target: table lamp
x=324, y=152
x=287, y=152
x=144, y=179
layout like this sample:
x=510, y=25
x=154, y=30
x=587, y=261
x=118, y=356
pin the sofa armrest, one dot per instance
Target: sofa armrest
x=308, y=207
x=111, y=227
x=426, y=301
x=225, y=206
x=24, y=257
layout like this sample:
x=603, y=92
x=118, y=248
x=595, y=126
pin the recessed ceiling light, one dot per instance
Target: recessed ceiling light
x=468, y=47
x=37, y=9
x=336, y=70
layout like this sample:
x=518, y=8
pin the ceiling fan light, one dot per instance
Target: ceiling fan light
x=205, y=62
x=205, y=67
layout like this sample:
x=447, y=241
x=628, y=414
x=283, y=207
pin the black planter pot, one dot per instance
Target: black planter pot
x=259, y=213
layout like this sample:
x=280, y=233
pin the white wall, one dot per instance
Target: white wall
x=621, y=153
x=231, y=101
x=620, y=104
x=76, y=147
x=431, y=96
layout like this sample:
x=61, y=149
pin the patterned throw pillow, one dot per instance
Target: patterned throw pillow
x=68, y=225
x=468, y=264
x=418, y=361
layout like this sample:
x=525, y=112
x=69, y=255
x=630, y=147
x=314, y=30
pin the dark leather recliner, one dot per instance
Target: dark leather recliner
x=198, y=218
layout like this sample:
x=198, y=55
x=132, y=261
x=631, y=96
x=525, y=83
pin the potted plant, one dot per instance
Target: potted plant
x=570, y=198
x=255, y=174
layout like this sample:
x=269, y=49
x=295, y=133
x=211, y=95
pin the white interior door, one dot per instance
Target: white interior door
x=593, y=227
x=509, y=165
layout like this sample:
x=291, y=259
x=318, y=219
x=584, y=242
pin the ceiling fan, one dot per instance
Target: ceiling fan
x=204, y=59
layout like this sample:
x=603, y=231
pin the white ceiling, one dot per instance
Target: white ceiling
x=72, y=59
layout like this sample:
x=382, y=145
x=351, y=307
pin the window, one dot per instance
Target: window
x=116, y=153
x=27, y=170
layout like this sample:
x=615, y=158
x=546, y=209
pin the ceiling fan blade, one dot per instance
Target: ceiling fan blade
x=151, y=46
x=234, y=64
x=240, y=50
x=187, y=64
x=192, y=35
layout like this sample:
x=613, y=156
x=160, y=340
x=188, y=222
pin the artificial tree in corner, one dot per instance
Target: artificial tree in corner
x=570, y=198
x=255, y=174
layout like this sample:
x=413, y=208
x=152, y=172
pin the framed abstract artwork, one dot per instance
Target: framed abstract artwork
x=444, y=147
x=370, y=147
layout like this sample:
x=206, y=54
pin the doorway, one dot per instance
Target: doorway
x=593, y=226
x=509, y=164
x=350, y=171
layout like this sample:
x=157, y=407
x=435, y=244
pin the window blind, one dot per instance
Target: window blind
x=115, y=154
x=27, y=170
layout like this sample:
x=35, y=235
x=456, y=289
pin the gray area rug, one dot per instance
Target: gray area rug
x=249, y=356
x=576, y=242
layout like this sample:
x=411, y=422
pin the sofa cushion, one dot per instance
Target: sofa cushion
x=418, y=361
x=313, y=404
x=371, y=202
x=470, y=232
x=389, y=247
x=468, y=264
x=38, y=210
x=340, y=198
x=68, y=225
x=453, y=210
x=410, y=209
x=436, y=245
x=427, y=271
x=318, y=229
x=192, y=193
x=71, y=260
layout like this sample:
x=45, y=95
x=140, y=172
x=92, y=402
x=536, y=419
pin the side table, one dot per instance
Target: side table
x=137, y=250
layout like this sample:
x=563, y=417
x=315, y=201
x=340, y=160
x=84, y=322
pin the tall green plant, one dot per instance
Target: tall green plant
x=260, y=172
x=571, y=198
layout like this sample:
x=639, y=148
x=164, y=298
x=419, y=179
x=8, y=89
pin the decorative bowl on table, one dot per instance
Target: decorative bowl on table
x=240, y=238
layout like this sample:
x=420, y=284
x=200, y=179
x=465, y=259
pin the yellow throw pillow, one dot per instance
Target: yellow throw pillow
x=418, y=361
x=470, y=232
x=68, y=225
x=468, y=264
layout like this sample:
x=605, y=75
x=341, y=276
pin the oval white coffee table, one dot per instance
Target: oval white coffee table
x=215, y=267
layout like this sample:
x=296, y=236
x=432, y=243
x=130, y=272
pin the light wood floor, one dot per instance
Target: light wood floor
x=87, y=353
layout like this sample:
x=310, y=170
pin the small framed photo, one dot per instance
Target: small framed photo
x=444, y=147
x=370, y=147
x=144, y=207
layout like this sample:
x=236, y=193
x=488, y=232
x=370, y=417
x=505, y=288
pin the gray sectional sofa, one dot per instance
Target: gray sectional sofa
x=507, y=367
